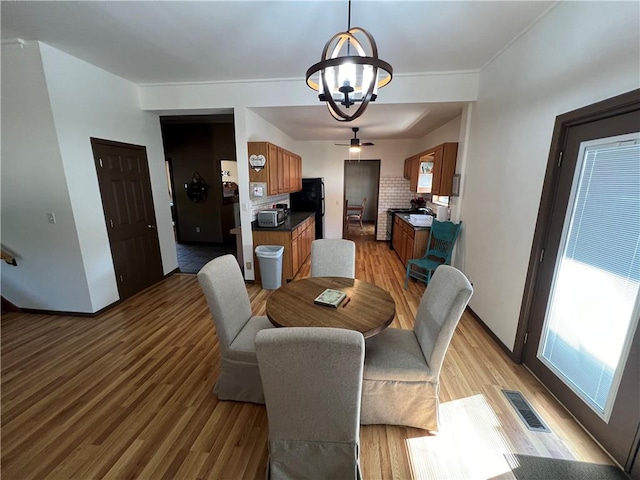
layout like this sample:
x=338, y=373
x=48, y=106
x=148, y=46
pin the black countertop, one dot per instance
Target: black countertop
x=293, y=220
x=401, y=210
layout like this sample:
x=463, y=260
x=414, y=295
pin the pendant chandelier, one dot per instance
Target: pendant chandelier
x=349, y=73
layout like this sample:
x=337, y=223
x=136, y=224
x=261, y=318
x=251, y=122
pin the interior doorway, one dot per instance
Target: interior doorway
x=203, y=186
x=361, y=181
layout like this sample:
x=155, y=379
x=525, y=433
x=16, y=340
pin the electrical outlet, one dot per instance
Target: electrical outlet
x=197, y=229
x=248, y=265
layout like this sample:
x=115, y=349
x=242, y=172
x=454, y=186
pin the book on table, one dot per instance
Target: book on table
x=330, y=298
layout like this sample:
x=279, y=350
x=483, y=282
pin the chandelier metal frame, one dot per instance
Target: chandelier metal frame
x=331, y=62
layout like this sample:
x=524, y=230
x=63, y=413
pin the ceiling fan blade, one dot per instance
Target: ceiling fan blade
x=355, y=141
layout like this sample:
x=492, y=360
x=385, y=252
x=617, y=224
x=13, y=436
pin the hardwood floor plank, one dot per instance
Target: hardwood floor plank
x=128, y=394
x=191, y=464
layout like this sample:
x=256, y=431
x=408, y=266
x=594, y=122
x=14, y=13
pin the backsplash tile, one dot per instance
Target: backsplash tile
x=268, y=202
x=394, y=192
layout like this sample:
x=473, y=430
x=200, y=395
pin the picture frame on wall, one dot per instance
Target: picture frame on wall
x=455, y=186
x=257, y=190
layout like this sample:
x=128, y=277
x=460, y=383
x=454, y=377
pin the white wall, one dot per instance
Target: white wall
x=84, y=101
x=449, y=132
x=453, y=131
x=251, y=127
x=456, y=130
x=324, y=159
x=50, y=273
x=411, y=88
x=455, y=203
x=578, y=54
x=259, y=130
x=319, y=159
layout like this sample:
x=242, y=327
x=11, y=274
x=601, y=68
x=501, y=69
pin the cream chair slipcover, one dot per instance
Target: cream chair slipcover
x=312, y=380
x=402, y=367
x=333, y=258
x=223, y=286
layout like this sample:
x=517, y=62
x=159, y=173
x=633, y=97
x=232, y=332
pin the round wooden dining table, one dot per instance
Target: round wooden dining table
x=367, y=308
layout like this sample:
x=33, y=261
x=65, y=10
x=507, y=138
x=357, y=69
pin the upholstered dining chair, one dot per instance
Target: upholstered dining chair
x=333, y=257
x=223, y=286
x=402, y=367
x=442, y=238
x=312, y=379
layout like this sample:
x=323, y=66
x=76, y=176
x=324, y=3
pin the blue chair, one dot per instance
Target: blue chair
x=442, y=238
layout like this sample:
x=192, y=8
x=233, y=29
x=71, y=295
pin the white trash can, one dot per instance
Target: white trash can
x=270, y=258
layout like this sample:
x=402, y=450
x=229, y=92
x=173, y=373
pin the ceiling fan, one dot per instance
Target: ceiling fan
x=355, y=141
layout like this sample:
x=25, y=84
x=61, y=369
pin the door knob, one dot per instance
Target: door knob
x=151, y=226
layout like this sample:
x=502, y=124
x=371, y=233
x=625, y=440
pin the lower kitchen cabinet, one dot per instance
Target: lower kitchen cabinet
x=301, y=238
x=296, y=237
x=408, y=241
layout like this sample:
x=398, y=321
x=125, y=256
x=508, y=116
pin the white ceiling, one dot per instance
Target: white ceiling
x=153, y=42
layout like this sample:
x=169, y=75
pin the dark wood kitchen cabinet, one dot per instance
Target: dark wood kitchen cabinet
x=432, y=171
x=408, y=241
x=282, y=171
x=409, y=166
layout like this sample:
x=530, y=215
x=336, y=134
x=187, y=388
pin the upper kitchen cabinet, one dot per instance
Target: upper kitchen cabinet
x=432, y=170
x=409, y=166
x=282, y=170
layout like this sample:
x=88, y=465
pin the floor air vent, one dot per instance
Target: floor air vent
x=526, y=411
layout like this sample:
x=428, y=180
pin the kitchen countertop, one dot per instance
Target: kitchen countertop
x=292, y=221
x=405, y=217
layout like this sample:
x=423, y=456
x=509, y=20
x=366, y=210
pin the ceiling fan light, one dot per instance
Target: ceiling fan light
x=354, y=149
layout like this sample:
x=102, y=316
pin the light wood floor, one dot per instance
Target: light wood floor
x=364, y=234
x=129, y=394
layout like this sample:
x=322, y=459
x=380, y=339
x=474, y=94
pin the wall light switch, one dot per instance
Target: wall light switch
x=197, y=229
x=248, y=265
x=51, y=217
x=245, y=207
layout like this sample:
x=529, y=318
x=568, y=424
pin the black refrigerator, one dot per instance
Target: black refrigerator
x=310, y=199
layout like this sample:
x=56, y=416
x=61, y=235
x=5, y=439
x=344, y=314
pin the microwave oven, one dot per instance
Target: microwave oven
x=270, y=218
